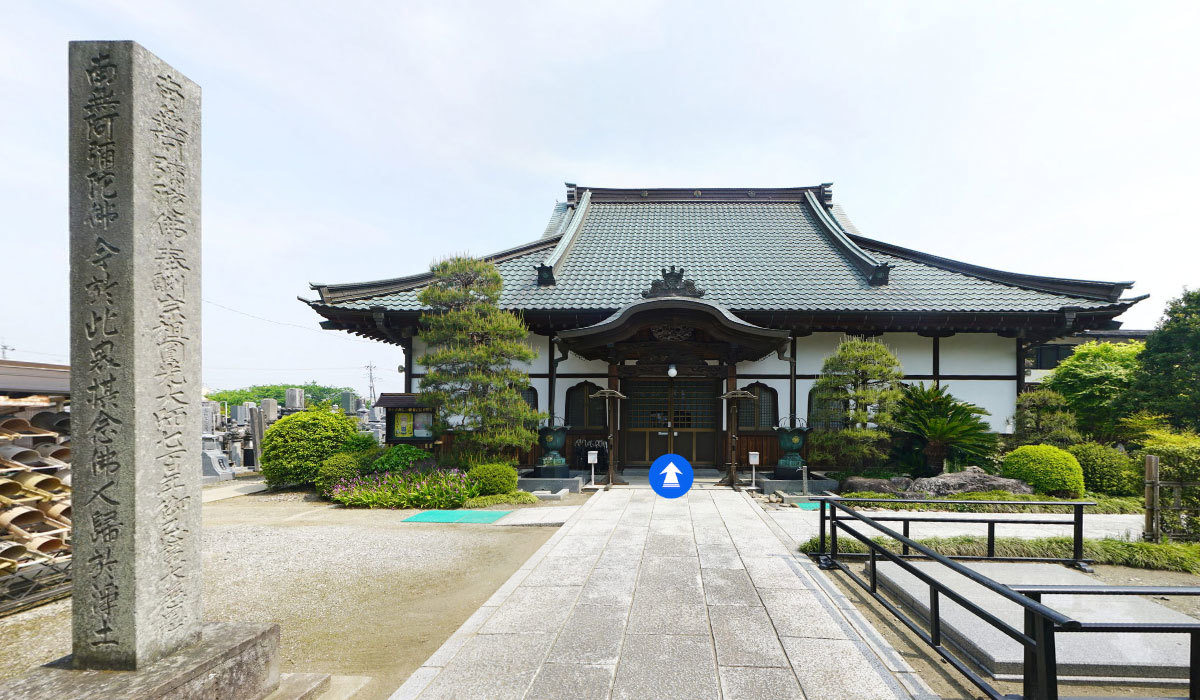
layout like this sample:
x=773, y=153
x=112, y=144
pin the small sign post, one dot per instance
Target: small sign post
x=593, y=457
x=753, y=458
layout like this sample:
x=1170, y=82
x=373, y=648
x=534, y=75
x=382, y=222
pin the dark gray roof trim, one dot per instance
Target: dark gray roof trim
x=550, y=267
x=876, y=272
x=335, y=293
x=1087, y=289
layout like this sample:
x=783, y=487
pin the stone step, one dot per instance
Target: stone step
x=345, y=688
x=300, y=686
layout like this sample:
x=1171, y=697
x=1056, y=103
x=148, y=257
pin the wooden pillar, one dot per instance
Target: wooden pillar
x=614, y=419
x=792, y=384
x=937, y=361
x=408, y=364
x=730, y=385
x=1021, y=348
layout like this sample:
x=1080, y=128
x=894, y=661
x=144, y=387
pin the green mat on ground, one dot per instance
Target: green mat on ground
x=457, y=516
x=807, y=506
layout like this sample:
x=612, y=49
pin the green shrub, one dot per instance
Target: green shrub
x=514, y=498
x=336, y=468
x=1046, y=468
x=294, y=446
x=1107, y=469
x=1165, y=556
x=494, y=478
x=398, y=458
x=1178, y=452
x=428, y=488
x=1105, y=505
x=359, y=442
x=368, y=457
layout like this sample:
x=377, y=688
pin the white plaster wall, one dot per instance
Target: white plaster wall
x=812, y=350
x=543, y=396
x=771, y=364
x=576, y=364
x=998, y=396
x=914, y=352
x=978, y=353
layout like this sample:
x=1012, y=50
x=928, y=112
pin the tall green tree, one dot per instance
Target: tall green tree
x=1043, y=418
x=470, y=375
x=853, y=403
x=313, y=393
x=1095, y=381
x=944, y=425
x=1168, y=380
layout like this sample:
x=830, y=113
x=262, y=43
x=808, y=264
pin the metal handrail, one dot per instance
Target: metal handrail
x=1041, y=621
x=976, y=577
x=1076, y=521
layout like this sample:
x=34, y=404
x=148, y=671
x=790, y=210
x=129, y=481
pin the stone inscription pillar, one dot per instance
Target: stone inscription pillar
x=135, y=355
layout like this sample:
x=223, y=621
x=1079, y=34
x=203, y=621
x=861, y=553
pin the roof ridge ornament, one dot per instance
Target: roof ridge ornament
x=672, y=284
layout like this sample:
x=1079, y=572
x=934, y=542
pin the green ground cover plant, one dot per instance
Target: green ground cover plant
x=1046, y=468
x=295, y=446
x=1105, y=505
x=1160, y=556
x=415, y=488
x=496, y=499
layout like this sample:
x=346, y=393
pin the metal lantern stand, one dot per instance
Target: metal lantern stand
x=731, y=478
x=613, y=396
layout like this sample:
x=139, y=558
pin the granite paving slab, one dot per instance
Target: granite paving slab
x=642, y=597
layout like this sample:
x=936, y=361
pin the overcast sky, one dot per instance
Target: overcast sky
x=358, y=140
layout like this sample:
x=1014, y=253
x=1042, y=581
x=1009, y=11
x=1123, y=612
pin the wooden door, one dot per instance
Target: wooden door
x=681, y=416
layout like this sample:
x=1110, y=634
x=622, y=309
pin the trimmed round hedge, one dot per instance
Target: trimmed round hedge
x=1107, y=469
x=494, y=478
x=1046, y=468
x=294, y=446
x=342, y=465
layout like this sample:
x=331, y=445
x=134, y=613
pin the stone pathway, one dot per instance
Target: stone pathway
x=544, y=516
x=637, y=596
x=803, y=525
x=231, y=489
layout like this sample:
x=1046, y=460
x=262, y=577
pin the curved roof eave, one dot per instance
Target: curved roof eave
x=716, y=311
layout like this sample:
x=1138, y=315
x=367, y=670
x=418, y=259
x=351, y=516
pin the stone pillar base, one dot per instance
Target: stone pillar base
x=232, y=661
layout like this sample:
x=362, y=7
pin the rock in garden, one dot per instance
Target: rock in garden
x=854, y=484
x=969, y=479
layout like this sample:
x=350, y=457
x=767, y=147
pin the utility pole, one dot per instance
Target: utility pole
x=370, y=367
x=4, y=351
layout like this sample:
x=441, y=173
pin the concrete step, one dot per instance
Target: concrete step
x=345, y=687
x=300, y=686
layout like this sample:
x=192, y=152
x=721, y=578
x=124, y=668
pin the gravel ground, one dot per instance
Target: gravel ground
x=356, y=592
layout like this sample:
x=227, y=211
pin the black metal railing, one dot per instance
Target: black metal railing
x=1075, y=520
x=1041, y=623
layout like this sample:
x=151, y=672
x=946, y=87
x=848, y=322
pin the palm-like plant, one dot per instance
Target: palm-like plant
x=943, y=424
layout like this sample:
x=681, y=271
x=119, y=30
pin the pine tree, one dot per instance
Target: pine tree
x=1168, y=380
x=1043, y=417
x=469, y=373
x=853, y=403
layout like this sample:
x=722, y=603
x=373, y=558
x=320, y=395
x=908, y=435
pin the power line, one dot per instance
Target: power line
x=282, y=323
